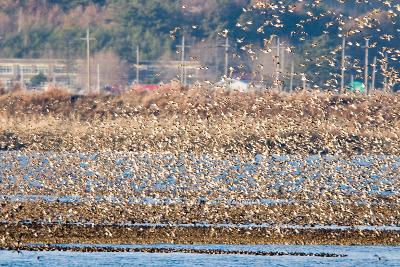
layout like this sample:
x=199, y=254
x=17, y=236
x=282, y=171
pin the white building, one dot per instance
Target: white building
x=20, y=71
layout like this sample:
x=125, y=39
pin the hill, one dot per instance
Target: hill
x=311, y=30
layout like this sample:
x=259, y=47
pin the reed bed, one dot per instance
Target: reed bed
x=202, y=120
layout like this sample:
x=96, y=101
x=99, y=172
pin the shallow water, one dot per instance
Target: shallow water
x=356, y=256
x=73, y=177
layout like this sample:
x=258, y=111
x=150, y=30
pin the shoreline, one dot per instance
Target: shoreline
x=295, y=214
x=19, y=235
x=166, y=250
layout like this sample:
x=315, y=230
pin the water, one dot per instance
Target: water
x=79, y=177
x=82, y=177
x=356, y=256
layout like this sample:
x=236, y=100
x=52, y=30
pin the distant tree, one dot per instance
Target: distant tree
x=38, y=80
x=145, y=22
x=69, y=4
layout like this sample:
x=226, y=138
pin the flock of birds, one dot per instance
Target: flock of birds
x=207, y=156
x=203, y=156
x=355, y=21
x=128, y=187
x=185, y=178
x=202, y=120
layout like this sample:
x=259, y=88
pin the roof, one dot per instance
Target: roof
x=32, y=61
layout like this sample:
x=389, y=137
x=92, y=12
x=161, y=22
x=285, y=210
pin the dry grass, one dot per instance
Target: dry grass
x=204, y=102
x=202, y=120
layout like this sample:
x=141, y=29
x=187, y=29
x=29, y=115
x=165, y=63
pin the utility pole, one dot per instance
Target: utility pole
x=385, y=67
x=54, y=76
x=366, y=65
x=183, y=60
x=278, y=63
x=68, y=65
x=22, y=78
x=137, y=64
x=88, y=39
x=226, y=46
x=282, y=64
x=185, y=75
x=98, y=78
x=343, y=64
x=304, y=80
x=282, y=59
x=291, y=77
x=278, y=68
x=373, y=75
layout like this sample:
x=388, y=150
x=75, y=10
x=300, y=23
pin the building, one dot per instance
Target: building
x=14, y=71
x=72, y=75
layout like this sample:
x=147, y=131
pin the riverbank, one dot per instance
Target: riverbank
x=16, y=236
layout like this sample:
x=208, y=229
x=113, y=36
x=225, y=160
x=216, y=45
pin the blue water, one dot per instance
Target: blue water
x=33, y=177
x=356, y=256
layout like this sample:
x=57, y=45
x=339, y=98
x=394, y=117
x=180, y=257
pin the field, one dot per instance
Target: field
x=199, y=166
x=202, y=120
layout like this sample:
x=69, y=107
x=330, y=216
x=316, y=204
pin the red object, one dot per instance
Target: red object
x=149, y=87
x=146, y=87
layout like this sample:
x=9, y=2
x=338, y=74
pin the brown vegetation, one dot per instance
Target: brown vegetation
x=202, y=120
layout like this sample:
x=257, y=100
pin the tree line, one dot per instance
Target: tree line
x=54, y=28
